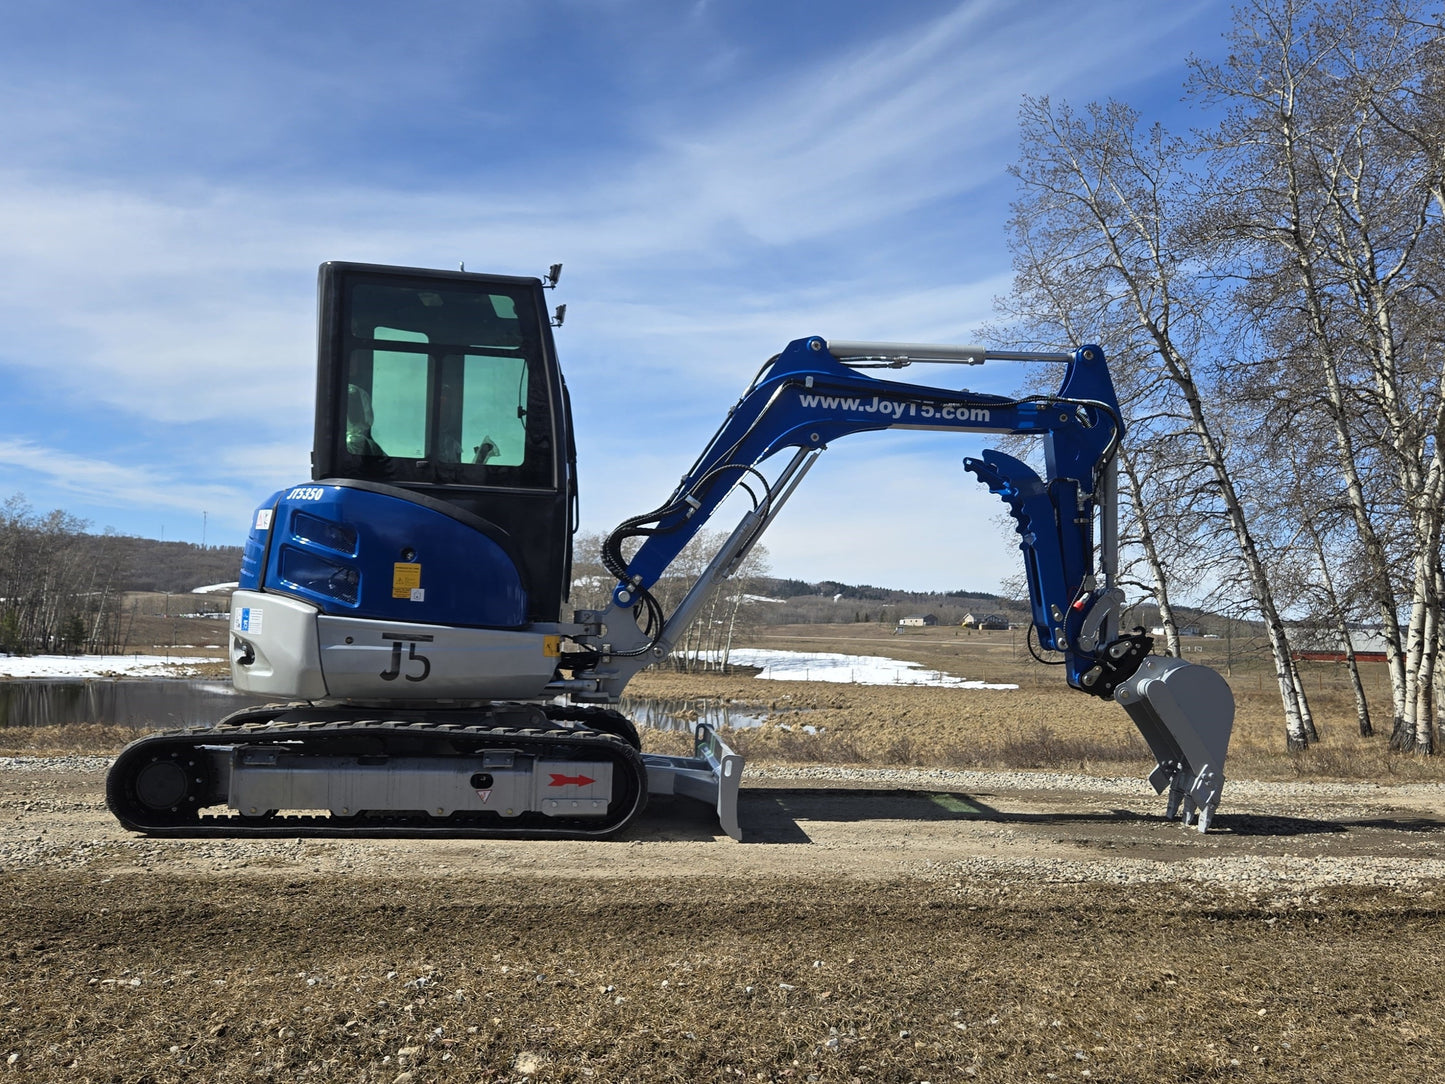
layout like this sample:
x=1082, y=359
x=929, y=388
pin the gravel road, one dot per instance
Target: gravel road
x=970, y=831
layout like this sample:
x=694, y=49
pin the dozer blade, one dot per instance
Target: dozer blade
x=1186, y=713
x=713, y=775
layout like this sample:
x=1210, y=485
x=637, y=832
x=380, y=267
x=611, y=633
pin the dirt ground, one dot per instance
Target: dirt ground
x=896, y=927
x=926, y=911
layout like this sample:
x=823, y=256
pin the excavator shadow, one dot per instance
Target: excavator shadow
x=1256, y=824
x=773, y=815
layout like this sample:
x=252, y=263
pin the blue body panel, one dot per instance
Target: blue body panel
x=357, y=553
x=253, y=557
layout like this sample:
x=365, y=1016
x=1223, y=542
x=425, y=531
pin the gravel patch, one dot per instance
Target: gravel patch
x=1389, y=836
x=1248, y=876
x=79, y=764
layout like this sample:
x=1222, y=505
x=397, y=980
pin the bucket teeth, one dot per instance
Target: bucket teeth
x=1176, y=799
x=1186, y=714
x=1020, y=487
x=1206, y=817
x=1050, y=552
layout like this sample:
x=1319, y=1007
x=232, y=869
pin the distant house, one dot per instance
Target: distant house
x=1326, y=645
x=918, y=621
x=984, y=621
x=1184, y=630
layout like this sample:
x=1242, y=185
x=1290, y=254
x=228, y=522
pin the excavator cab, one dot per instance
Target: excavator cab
x=431, y=554
x=444, y=385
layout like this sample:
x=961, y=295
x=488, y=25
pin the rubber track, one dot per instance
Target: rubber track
x=374, y=737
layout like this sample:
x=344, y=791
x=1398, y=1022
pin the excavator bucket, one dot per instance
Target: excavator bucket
x=1186, y=713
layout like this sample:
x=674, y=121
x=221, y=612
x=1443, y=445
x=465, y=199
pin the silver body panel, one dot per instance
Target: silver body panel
x=279, y=636
x=298, y=653
x=387, y=660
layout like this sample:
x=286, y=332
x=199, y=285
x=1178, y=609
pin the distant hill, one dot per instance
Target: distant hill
x=181, y=566
x=62, y=588
x=797, y=602
x=145, y=564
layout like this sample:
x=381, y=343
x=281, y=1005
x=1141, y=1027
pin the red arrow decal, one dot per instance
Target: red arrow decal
x=570, y=780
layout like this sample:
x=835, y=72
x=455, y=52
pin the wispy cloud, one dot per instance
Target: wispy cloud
x=718, y=179
x=110, y=484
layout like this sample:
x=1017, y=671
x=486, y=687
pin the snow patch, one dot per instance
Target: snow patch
x=216, y=588
x=93, y=666
x=848, y=669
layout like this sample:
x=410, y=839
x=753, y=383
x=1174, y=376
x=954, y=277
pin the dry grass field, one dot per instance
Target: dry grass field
x=1042, y=723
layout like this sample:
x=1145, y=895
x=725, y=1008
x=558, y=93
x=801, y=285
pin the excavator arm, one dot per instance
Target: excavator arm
x=814, y=393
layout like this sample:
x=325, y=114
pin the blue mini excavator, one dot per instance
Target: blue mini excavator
x=404, y=608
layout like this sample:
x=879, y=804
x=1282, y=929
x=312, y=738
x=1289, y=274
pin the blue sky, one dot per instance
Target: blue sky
x=718, y=178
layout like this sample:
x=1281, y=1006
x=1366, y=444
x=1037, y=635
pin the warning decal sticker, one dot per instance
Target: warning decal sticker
x=406, y=582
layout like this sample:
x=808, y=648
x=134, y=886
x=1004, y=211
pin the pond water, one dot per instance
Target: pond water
x=682, y=714
x=139, y=702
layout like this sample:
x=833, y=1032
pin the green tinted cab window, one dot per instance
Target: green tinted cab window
x=494, y=397
x=449, y=380
x=398, y=395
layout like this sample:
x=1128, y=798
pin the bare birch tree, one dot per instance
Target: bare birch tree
x=56, y=582
x=1332, y=217
x=1103, y=205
